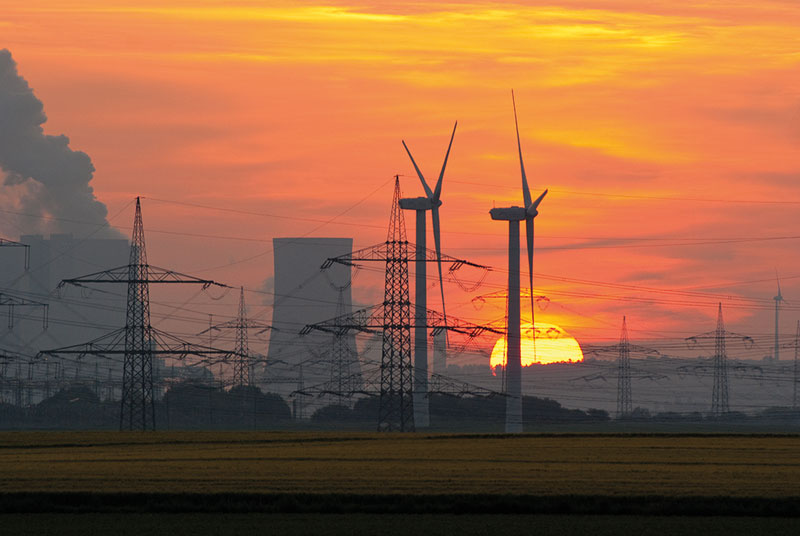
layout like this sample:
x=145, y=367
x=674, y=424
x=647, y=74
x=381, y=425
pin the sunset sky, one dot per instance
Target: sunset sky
x=666, y=132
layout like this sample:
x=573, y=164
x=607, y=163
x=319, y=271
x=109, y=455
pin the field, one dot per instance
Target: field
x=282, y=474
x=389, y=525
x=548, y=465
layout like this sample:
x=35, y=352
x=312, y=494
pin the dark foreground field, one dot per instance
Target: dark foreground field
x=389, y=524
x=336, y=483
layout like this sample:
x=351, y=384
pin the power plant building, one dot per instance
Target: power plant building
x=306, y=294
x=75, y=314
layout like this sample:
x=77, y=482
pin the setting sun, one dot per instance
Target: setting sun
x=553, y=345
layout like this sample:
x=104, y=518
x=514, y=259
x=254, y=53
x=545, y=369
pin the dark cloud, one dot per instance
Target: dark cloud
x=42, y=176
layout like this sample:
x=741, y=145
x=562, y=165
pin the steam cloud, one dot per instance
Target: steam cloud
x=41, y=175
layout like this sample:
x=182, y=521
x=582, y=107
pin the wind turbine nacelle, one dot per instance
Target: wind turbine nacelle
x=509, y=214
x=418, y=203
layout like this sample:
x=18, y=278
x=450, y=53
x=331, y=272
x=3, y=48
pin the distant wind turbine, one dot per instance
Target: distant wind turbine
x=514, y=215
x=421, y=205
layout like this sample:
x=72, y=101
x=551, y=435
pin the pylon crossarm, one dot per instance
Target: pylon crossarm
x=121, y=274
x=371, y=320
x=382, y=251
x=438, y=323
x=11, y=243
x=439, y=384
x=7, y=356
x=170, y=344
x=367, y=382
x=12, y=301
x=9, y=299
x=367, y=320
x=112, y=343
x=5, y=242
x=712, y=335
x=378, y=252
x=371, y=386
x=644, y=375
x=234, y=324
x=590, y=378
x=615, y=348
x=503, y=294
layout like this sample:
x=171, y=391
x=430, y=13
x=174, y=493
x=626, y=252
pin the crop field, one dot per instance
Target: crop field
x=409, y=464
x=291, y=472
x=475, y=484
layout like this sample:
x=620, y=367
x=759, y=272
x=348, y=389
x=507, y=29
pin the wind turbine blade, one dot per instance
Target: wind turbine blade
x=419, y=173
x=529, y=237
x=526, y=192
x=437, y=238
x=438, y=191
x=535, y=204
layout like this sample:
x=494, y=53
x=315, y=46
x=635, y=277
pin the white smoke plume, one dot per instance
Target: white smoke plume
x=45, y=185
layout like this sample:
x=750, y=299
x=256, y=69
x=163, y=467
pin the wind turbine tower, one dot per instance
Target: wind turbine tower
x=421, y=205
x=514, y=215
x=778, y=299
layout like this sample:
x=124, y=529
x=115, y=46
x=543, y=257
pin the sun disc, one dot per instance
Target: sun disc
x=552, y=345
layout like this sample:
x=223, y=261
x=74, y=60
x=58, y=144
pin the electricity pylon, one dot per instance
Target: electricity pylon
x=624, y=401
x=138, y=342
x=625, y=373
x=719, y=395
x=778, y=299
x=242, y=360
x=11, y=302
x=4, y=243
x=396, y=411
x=345, y=370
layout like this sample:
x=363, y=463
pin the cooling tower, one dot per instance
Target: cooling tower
x=305, y=294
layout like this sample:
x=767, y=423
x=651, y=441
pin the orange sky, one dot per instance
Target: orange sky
x=652, y=124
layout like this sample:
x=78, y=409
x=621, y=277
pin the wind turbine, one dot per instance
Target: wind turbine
x=514, y=215
x=421, y=205
x=778, y=299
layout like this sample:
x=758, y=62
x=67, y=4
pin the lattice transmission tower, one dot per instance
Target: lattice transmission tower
x=20, y=384
x=393, y=319
x=719, y=397
x=241, y=361
x=242, y=358
x=138, y=342
x=12, y=301
x=396, y=403
x=345, y=368
x=624, y=399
